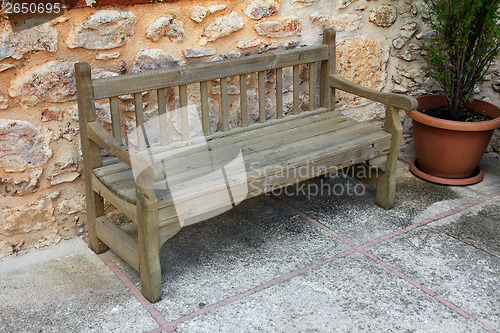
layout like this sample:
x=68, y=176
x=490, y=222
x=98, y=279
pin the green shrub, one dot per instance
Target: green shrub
x=464, y=43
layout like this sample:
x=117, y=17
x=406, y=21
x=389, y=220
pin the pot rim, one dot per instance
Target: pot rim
x=454, y=125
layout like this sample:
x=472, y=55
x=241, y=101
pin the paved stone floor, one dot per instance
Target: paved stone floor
x=297, y=261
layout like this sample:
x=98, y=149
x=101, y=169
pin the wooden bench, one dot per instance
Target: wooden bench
x=315, y=141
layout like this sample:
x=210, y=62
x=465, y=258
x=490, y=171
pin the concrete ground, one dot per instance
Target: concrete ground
x=293, y=262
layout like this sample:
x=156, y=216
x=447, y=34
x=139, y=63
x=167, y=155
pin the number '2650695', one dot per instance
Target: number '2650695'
x=31, y=7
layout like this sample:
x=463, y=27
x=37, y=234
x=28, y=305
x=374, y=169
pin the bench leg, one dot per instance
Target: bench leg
x=95, y=208
x=386, y=189
x=386, y=183
x=149, y=257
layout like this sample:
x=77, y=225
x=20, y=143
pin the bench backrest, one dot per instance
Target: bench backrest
x=110, y=88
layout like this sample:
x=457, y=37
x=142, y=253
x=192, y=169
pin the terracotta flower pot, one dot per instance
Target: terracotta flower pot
x=448, y=152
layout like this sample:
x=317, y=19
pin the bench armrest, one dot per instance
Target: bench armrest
x=104, y=139
x=399, y=101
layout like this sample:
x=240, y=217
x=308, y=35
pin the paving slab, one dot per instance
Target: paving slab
x=478, y=226
x=491, y=182
x=66, y=288
x=464, y=275
x=355, y=216
x=351, y=294
x=234, y=252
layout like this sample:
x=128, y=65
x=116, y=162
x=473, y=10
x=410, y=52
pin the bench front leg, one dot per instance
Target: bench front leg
x=386, y=183
x=149, y=257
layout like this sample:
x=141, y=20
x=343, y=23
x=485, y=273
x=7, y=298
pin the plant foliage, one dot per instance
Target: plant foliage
x=464, y=43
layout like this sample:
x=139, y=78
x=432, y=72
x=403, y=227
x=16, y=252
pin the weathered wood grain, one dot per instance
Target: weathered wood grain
x=296, y=91
x=224, y=104
x=399, y=101
x=119, y=241
x=151, y=80
x=243, y=100
x=279, y=93
x=327, y=93
x=115, y=118
x=205, y=117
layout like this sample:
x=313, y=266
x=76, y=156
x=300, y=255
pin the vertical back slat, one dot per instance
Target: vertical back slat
x=224, y=104
x=162, y=110
x=139, y=121
x=279, y=93
x=205, y=119
x=262, y=97
x=139, y=111
x=115, y=118
x=312, y=86
x=183, y=96
x=243, y=100
x=296, y=82
x=327, y=94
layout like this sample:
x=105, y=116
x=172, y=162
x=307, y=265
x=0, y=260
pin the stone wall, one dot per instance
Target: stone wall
x=41, y=193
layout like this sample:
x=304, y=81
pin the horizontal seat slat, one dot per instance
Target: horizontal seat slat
x=151, y=80
x=180, y=149
x=266, y=145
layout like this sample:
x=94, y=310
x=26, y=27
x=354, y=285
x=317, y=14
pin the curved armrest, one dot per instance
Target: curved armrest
x=104, y=139
x=407, y=103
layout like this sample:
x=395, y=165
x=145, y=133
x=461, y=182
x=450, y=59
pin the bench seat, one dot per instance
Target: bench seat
x=327, y=140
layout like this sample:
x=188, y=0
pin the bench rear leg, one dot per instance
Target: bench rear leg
x=95, y=208
x=90, y=152
x=149, y=257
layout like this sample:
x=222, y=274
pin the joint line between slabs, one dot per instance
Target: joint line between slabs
x=170, y=325
x=268, y=284
x=157, y=316
x=493, y=197
x=361, y=249
x=429, y=292
x=313, y=221
x=162, y=329
x=394, y=233
x=403, y=160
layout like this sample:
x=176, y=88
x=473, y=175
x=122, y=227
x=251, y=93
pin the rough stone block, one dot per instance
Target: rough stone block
x=22, y=146
x=223, y=26
x=288, y=26
x=384, y=15
x=18, y=44
x=259, y=9
x=51, y=82
x=149, y=59
x=168, y=27
x=106, y=29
